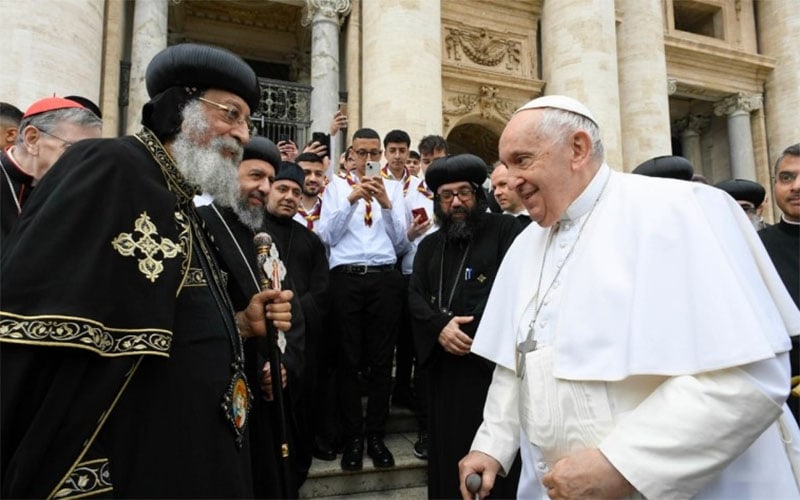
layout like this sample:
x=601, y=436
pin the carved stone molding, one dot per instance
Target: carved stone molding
x=672, y=86
x=334, y=10
x=254, y=14
x=486, y=102
x=739, y=102
x=482, y=47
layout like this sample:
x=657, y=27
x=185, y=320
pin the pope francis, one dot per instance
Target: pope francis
x=639, y=330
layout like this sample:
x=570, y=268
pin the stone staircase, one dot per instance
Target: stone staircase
x=406, y=480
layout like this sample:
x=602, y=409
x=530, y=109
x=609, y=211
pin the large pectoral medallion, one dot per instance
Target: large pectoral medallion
x=236, y=403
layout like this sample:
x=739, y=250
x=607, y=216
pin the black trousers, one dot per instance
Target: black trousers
x=366, y=308
x=404, y=354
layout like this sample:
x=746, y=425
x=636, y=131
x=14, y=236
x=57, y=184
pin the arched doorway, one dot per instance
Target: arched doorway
x=474, y=139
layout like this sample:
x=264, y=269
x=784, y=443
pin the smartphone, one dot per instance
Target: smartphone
x=420, y=212
x=372, y=169
x=323, y=139
x=284, y=138
x=343, y=108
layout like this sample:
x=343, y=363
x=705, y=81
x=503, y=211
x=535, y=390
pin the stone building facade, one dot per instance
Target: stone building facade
x=717, y=81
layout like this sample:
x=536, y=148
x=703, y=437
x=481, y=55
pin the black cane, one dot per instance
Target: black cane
x=263, y=243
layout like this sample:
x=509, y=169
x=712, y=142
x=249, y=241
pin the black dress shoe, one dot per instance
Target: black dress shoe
x=353, y=455
x=323, y=450
x=379, y=453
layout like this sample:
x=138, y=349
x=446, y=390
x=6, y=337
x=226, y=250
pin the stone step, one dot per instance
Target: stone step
x=409, y=475
x=415, y=493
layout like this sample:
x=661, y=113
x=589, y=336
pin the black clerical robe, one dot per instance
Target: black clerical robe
x=782, y=242
x=458, y=384
x=15, y=187
x=234, y=244
x=117, y=338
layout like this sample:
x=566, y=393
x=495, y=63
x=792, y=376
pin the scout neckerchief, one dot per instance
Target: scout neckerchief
x=313, y=215
x=368, y=210
x=406, y=178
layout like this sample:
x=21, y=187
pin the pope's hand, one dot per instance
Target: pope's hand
x=585, y=474
x=452, y=339
x=480, y=463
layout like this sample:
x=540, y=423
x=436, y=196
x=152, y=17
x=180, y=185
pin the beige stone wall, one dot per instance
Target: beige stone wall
x=51, y=47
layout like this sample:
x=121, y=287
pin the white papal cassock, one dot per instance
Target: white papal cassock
x=662, y=330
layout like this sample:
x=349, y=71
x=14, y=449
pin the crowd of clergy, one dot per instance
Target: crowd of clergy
x=547, y=319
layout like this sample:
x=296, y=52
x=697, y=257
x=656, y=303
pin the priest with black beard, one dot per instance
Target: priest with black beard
x=122, y=370
x=453, y=273
x=232, y=230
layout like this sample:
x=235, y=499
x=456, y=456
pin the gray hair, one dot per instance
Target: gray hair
x=558, y=124
x=49, y=121
x=793, y=150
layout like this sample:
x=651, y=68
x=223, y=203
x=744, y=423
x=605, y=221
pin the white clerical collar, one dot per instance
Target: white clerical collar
x=586, y=200
x=784, y=219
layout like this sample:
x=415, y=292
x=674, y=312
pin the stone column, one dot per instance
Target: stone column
x=740, y=138
x=325, y=18
x=644, y=104
x=51, y=48
x=149, y=38
x=579, y=59
x=779, y=37
x=401, y=69
x=690, y=128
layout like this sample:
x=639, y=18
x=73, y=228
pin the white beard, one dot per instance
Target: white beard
x=204, y=164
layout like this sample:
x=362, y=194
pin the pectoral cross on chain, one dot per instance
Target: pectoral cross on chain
x=523, y=348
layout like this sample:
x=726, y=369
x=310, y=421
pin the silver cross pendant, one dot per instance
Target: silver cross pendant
x=523, y=348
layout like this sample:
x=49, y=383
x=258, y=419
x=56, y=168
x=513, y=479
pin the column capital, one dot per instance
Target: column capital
x=693, y=123
x=328, y=10
x=738, y=103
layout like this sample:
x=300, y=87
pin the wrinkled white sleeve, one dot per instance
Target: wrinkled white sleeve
x=498, y=435
x=691, y=427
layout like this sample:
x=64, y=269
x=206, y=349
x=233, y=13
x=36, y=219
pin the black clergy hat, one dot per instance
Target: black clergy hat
x=181, y=72
x=455, y=168
x=202, y=67
x=670, y=167
x=261, y=148
x=744, y=190
x=291, y=172
x=86, y=103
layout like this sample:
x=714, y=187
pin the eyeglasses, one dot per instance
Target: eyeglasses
x=65, y=142
x=786, y=178
x=233, y=115
x=748, y=208
x=362, y=153
x=464, y=194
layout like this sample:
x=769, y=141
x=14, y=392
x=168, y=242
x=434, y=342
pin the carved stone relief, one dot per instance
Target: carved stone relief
x=481, y=47
x=486, y=102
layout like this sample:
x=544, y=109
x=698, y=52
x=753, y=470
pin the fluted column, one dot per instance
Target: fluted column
x=149, y=38
x=690, y=128
x=644, y=104
x=325, y=18
x=779, y=37
x=401, y=66
x=737, y=108
x=579, y=59
x=51, y=48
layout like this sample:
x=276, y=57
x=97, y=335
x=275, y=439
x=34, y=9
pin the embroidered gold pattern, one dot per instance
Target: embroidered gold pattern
x=150, y=244
x=90, y=478
x=196, y=277
x=82, y=333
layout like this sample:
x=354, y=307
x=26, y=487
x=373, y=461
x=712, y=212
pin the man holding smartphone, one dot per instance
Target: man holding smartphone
x=363, y=223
